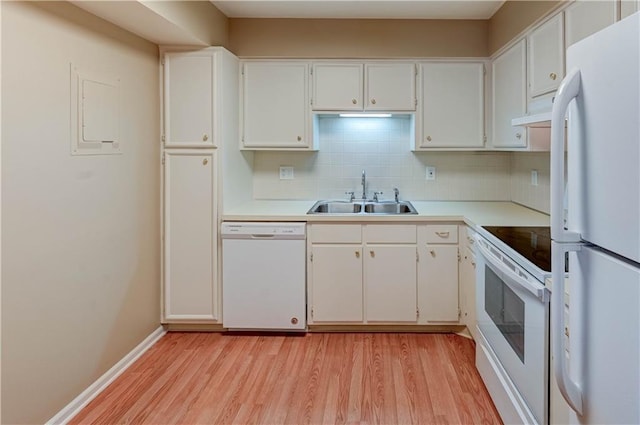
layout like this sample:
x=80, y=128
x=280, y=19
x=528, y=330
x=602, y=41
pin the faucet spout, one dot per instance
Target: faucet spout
x=364, y=185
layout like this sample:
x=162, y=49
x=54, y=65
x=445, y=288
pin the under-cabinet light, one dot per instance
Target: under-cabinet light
x=365, y=115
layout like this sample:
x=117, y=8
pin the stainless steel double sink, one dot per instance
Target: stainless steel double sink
x=362, y=207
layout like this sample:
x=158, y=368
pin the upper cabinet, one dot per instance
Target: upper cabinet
x=451, y=105
x=585, y=17
x=509, y=96
x=347, y=86
x=338, y=86
x=628, y=7
x=188, y=99
x=546, y=56
x=275, y=111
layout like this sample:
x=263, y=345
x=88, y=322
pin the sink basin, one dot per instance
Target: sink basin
x=401, y=207
x=362, y=207
x=335, y=207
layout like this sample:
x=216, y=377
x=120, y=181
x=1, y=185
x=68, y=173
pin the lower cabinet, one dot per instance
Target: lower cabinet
x=438, y=273
x=189, y=292
x=382, y=274
x=468, y=280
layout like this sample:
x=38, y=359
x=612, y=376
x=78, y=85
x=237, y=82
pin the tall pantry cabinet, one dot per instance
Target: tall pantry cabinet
x=195, y=126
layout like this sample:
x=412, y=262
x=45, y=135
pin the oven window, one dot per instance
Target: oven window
x=506, y=310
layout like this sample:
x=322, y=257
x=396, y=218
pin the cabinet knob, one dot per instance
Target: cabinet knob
x=372, y=253
x=299, y=138
x=518, y=136
x=354, y=101
x=432, y=252
x=205, y=161
x=357, y=254
x=373, y=101
x=205, y=137
x=553, y=76
x=428, y=138
x=294, y=320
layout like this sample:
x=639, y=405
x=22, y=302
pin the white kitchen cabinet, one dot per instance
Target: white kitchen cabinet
x=275, y=111
x=509, y=96
x=190, y=290
x=451, y=105
x=338, y=86
x=390, y=283
x=468, y=280
x=188, y=98
x=438, y=273
x=348, y=86
x=546, y=56
x=336, y=277
x=362, y=273
x=585, y=17
x=390, y=86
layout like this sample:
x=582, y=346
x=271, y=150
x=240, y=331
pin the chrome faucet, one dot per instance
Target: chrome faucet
x=364, y=185
x=396, y=193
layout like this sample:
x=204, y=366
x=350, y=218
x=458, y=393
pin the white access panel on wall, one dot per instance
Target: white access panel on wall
x=190, y=236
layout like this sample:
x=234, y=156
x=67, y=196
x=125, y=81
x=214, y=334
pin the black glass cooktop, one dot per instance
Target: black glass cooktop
x=533, y=243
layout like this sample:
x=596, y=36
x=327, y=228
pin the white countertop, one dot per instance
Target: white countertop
x=471, y=212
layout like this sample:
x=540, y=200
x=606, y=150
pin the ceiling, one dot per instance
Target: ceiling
x=365, y=9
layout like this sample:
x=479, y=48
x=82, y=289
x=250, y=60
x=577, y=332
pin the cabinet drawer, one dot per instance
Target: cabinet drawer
x=390, y=233
x=446, y=233
x=335, y=233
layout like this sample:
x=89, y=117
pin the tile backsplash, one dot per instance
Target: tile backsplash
x=522, y=191
x=382, y=147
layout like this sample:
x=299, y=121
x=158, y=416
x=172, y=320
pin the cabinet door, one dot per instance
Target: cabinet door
x=438, y=282
x=452, y=103
x=190, y=236
x=585, y=17
x=337, y=87
x=546, y=56
x=390, y=283
x=188, y=99
x=509, y=96
x=468, y=290
x=275, y=109
x=390, y=87
x=336, y=283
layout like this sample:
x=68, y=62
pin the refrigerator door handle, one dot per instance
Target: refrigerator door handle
x=569, y=389
x=568, y=90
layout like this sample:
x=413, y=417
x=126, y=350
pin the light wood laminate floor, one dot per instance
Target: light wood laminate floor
x=319, y=378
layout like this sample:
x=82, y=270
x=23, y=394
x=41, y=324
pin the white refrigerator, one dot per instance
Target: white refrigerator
x=595, y=218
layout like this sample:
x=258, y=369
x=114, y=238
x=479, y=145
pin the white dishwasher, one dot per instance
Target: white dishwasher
x=263, y=276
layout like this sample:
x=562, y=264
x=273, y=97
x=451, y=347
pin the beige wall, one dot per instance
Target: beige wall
x=80, y=235
x=514, y=17
x=355, y=38
x=201, y=18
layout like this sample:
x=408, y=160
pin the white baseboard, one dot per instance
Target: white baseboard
x=77, y=404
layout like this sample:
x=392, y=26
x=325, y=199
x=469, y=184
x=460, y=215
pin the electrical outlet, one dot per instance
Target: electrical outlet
x=534, y=177
x=286, y=173
x=431, y=173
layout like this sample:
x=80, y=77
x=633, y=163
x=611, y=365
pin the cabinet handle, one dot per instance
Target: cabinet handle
x=357, y=254
x=518, y=136
x=553, y=76
x=471, y=240
x=354, y=101
x=432, y=252
x=373, y=101
x=443, y=234
x=428, y=138
x=205, y=137
x=372, y=253
x=473, y=263
x=205, y=161
x=299, y=138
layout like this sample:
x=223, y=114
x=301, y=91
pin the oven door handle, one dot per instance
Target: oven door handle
x=541, y=293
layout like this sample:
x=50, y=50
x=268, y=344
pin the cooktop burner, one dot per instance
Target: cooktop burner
x=533, y=243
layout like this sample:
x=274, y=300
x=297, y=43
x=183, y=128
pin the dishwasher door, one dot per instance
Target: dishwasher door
x=263, y=276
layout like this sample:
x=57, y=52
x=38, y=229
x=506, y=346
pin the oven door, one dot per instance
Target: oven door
x=513, y=317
